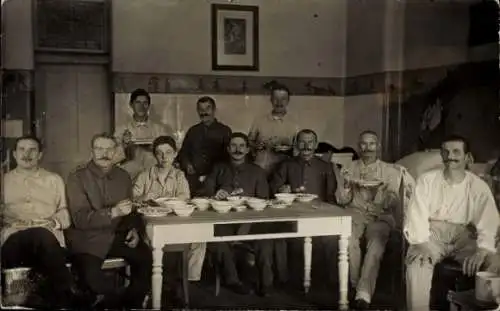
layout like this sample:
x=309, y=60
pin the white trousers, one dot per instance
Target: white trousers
x=364, y=272
x=446, y=240
x=196, y=258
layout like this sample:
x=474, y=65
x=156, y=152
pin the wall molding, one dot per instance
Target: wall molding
x=413, y=81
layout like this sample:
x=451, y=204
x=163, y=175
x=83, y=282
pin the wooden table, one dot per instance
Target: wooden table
x=307, y=219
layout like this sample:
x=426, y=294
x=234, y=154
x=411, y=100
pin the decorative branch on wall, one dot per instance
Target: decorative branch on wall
x=406, y=84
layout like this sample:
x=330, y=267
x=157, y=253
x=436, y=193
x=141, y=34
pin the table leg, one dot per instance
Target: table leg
x=307, y=263
x=157, y=278
x=343, y=272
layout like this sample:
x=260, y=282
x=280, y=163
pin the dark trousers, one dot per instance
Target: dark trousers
x=324, y=257
x=140, y=261
x=39, y=249
x=195, y=186
x=263, y=250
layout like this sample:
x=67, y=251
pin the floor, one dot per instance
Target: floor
x=321, y=296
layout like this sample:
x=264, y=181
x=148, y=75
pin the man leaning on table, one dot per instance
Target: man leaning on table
x=239, y=177
x=164, y=180
x=445, y=203
x=373, y=208
x=306, y=173
x=104, y=226
x=34, y=214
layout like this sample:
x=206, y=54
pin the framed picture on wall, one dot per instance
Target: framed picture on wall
x=235, y=37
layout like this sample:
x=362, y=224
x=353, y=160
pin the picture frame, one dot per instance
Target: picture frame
x=235, y=37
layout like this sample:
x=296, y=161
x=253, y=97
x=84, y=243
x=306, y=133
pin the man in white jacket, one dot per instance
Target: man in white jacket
x=445, y=203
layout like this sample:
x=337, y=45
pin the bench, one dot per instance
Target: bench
x=17, y=283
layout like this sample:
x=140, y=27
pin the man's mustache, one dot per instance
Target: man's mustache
x=238, y=153
x=104, y=158
x=451, y=160
x=26, y=159
x=204, y=115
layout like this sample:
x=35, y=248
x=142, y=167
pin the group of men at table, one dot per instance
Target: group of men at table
x=95, y=210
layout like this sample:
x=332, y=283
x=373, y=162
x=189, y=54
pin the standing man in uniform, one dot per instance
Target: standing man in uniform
x=204, y=145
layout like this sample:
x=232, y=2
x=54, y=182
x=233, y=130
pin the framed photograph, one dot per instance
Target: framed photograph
x=235, y=37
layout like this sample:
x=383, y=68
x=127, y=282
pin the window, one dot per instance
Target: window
x=72, y=25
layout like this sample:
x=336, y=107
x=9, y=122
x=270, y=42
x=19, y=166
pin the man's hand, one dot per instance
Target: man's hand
x=221, y=194
x=473, y=263
x=285, y=189
x=127, y=137
x=190, y=169
x=238, y=191
x=123, y=208
x=132, y=238
x=420, y=252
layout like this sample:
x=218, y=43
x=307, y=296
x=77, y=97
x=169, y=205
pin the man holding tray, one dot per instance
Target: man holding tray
x=135, y=137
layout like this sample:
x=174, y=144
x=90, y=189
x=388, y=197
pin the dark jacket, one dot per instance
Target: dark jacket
x=91, y=194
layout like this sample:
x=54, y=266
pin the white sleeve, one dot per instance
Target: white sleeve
x=486, y=220
x=416, y=218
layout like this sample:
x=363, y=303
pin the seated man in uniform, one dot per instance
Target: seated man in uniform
x=104, y=226
x=306, y=173
x=239, y=177
x=34, y=215
x=446, y=201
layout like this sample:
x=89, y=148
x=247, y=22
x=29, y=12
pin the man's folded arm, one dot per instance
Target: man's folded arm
x=83, y=214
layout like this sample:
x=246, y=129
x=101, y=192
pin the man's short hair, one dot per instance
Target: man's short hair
x=280, y=87
x=307, y=131
x=164, y=140
x=139, y=92
x=105, y=135
x=368, y=132
x=240, y=135
x=455, y=137
x=29, y=137
x=206, y=99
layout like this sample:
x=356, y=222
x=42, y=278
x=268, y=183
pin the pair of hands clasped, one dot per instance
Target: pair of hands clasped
x=423, y=253
x=123, y=208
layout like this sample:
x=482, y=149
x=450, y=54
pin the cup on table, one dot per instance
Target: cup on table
x=483, y=287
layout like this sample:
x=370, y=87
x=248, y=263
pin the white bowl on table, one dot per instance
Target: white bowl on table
x=184, y=211
x=201, y=204
x=236, y=199
x=257, y=204
x=222, y=207
x=174, y=203
x=239, y=208
x=286, y=198
x=306, y=197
